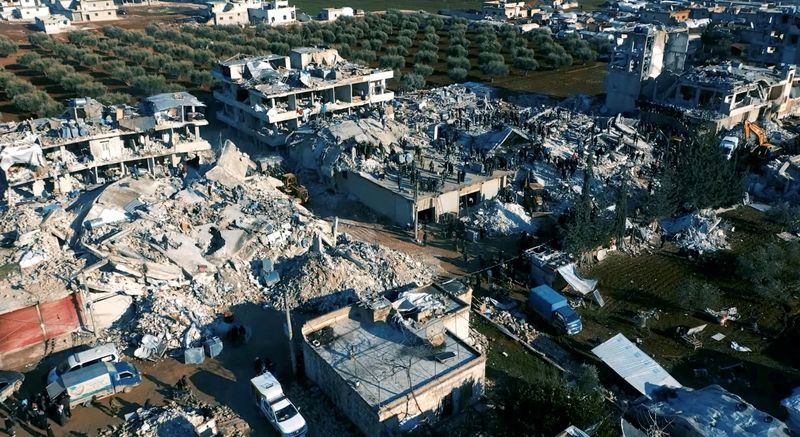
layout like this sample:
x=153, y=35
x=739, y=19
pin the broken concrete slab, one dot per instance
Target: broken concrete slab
x=231, y=166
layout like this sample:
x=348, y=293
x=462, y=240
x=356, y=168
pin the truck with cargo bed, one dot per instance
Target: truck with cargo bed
x=96, y=381
x=554, y=309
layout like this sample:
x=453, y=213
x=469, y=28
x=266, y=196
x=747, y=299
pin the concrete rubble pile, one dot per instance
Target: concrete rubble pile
x=518, y=327
x=500, y=219
x=182, y=419
x=186, y=249
x=350, y=271
x=381, y=142
x=702, y=232
x=181, y=252
x=504, y=315
x=620, y=152
x=36, y=259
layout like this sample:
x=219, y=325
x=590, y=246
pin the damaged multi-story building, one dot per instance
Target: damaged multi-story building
x=390, y=365
x=647, y=72
x=265, y=98
x=92, y=143
x=642, y=53
x=724, y=96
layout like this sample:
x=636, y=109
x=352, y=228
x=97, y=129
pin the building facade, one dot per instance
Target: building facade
x=274, y=13
x=642, y=54
x=92, y=143
x=54, y=24
x=265, y=98
x=80, y=11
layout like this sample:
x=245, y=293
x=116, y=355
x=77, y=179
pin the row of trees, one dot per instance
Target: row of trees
x=26, y=97
x=166, y=61
x=146, y=70
x=64, y=75
x=398, y=41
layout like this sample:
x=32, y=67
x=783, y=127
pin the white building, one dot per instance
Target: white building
x=265, y=98
x=333, y=14
x=274, y=13
x=26, y=10
x=54, y=24
x=504, y=10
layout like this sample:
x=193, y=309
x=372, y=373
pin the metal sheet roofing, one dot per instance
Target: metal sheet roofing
x=633, y=365
x=164, y=101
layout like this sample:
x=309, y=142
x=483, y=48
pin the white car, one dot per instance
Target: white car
x=276, y=407
x=729, y=145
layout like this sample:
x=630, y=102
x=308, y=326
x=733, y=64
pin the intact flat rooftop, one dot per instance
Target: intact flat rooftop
x=383, y=362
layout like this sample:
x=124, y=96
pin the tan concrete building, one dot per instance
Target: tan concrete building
x=389, y=365
x=80, y=11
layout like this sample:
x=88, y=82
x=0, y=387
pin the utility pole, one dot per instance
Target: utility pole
x=292, y=356
x=89, y=304
x=416, y=208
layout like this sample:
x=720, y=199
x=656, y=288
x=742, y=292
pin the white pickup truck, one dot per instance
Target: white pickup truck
x=276, y=407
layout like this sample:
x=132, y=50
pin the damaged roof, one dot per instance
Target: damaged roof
x=161, y=102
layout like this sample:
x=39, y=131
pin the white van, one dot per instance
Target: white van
x=276, y=407
x=104, y=353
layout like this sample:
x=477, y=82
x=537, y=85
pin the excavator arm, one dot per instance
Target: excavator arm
x=762, y=147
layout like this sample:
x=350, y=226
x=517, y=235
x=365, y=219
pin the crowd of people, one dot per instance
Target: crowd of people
x=37, y=411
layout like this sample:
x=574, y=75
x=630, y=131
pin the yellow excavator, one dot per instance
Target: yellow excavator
x=762, y=147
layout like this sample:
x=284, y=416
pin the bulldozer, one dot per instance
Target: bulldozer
x=292, y=188
x=761, y=147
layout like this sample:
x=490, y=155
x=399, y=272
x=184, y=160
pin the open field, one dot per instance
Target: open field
x=630, y=284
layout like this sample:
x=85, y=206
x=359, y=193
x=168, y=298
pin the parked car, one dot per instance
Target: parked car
x=10, y=382
x=104, y=353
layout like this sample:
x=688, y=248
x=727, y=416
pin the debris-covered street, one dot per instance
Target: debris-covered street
x=246, y=220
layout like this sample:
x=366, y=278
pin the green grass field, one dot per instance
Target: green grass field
x=312, y=7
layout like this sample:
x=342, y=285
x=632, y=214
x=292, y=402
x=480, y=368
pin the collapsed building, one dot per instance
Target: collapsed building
x=92, y=143
x=391, y=365
x=429, y=155
x=436, y=154
x=710, y=411
x=726, y=95
x=166, y=256
x=647, y=72
x=264, y=98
